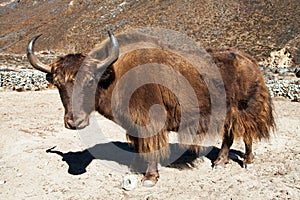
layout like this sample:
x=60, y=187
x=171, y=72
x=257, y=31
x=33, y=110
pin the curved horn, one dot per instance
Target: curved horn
x=33, y=60
x=114, y=55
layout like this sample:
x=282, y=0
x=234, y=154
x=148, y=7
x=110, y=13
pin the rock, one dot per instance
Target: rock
x=129, y=182
x=278, y=59
x=297, y=73
x=23, y=80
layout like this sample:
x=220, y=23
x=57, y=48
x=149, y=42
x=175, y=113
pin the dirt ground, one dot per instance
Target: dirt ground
x=32, y=123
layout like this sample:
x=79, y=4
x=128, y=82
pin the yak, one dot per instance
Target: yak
x=249, y=108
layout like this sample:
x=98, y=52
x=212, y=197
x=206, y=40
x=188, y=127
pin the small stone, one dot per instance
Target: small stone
x=298, y=74
x=129, y=182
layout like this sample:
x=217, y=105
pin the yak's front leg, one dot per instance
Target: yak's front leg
x=151, y=175
x=151, y=149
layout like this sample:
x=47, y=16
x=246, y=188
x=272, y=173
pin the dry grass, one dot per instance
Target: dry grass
x=258, y=27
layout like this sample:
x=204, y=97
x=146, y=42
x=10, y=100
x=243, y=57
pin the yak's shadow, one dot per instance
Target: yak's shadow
x=119, y=152
x=123, y=154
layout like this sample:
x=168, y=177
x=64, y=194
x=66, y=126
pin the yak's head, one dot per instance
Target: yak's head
x=78, y=79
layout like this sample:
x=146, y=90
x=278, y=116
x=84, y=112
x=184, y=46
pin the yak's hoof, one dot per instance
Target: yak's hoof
x=148, y=183
x=220, y=163
x=218, y=167
x=248, y=161
x=150, y=179
x=248, y=166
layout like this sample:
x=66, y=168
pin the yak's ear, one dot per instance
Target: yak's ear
x=49, y=77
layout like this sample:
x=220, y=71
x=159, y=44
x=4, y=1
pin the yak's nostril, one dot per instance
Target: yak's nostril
x=78, y=124
x=81, y=123
x=70, y=124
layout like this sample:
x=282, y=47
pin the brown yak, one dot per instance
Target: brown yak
x=248, y=103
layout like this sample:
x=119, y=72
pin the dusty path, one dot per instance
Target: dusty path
x=32, y=122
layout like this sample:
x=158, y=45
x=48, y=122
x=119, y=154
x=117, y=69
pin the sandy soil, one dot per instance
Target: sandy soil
x=32, y=122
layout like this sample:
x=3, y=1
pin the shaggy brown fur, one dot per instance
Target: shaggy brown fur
x=151, y=94
x=248, y=100
x=249, y=107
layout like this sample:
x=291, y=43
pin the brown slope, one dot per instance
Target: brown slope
x=255, y=26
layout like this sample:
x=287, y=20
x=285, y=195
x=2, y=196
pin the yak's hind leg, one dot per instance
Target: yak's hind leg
x=248, y=157
x=223, y=155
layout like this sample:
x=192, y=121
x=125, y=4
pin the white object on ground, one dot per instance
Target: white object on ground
x=129, y=182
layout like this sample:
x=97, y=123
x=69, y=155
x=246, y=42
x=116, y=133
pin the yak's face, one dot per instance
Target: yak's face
x=77, y=91
x=77, y=78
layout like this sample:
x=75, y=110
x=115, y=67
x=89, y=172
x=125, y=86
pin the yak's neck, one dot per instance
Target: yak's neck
x=103, y=102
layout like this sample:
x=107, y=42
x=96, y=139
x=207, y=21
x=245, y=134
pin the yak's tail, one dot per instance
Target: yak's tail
x=256, y=119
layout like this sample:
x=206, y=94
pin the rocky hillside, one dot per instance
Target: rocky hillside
x=255, y=26
x=267, y=29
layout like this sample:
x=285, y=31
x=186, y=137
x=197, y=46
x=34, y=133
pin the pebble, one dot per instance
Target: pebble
x=23, y=80
x=282, y=82
x=297, y=73
x=16, y=74
x=129, y=182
